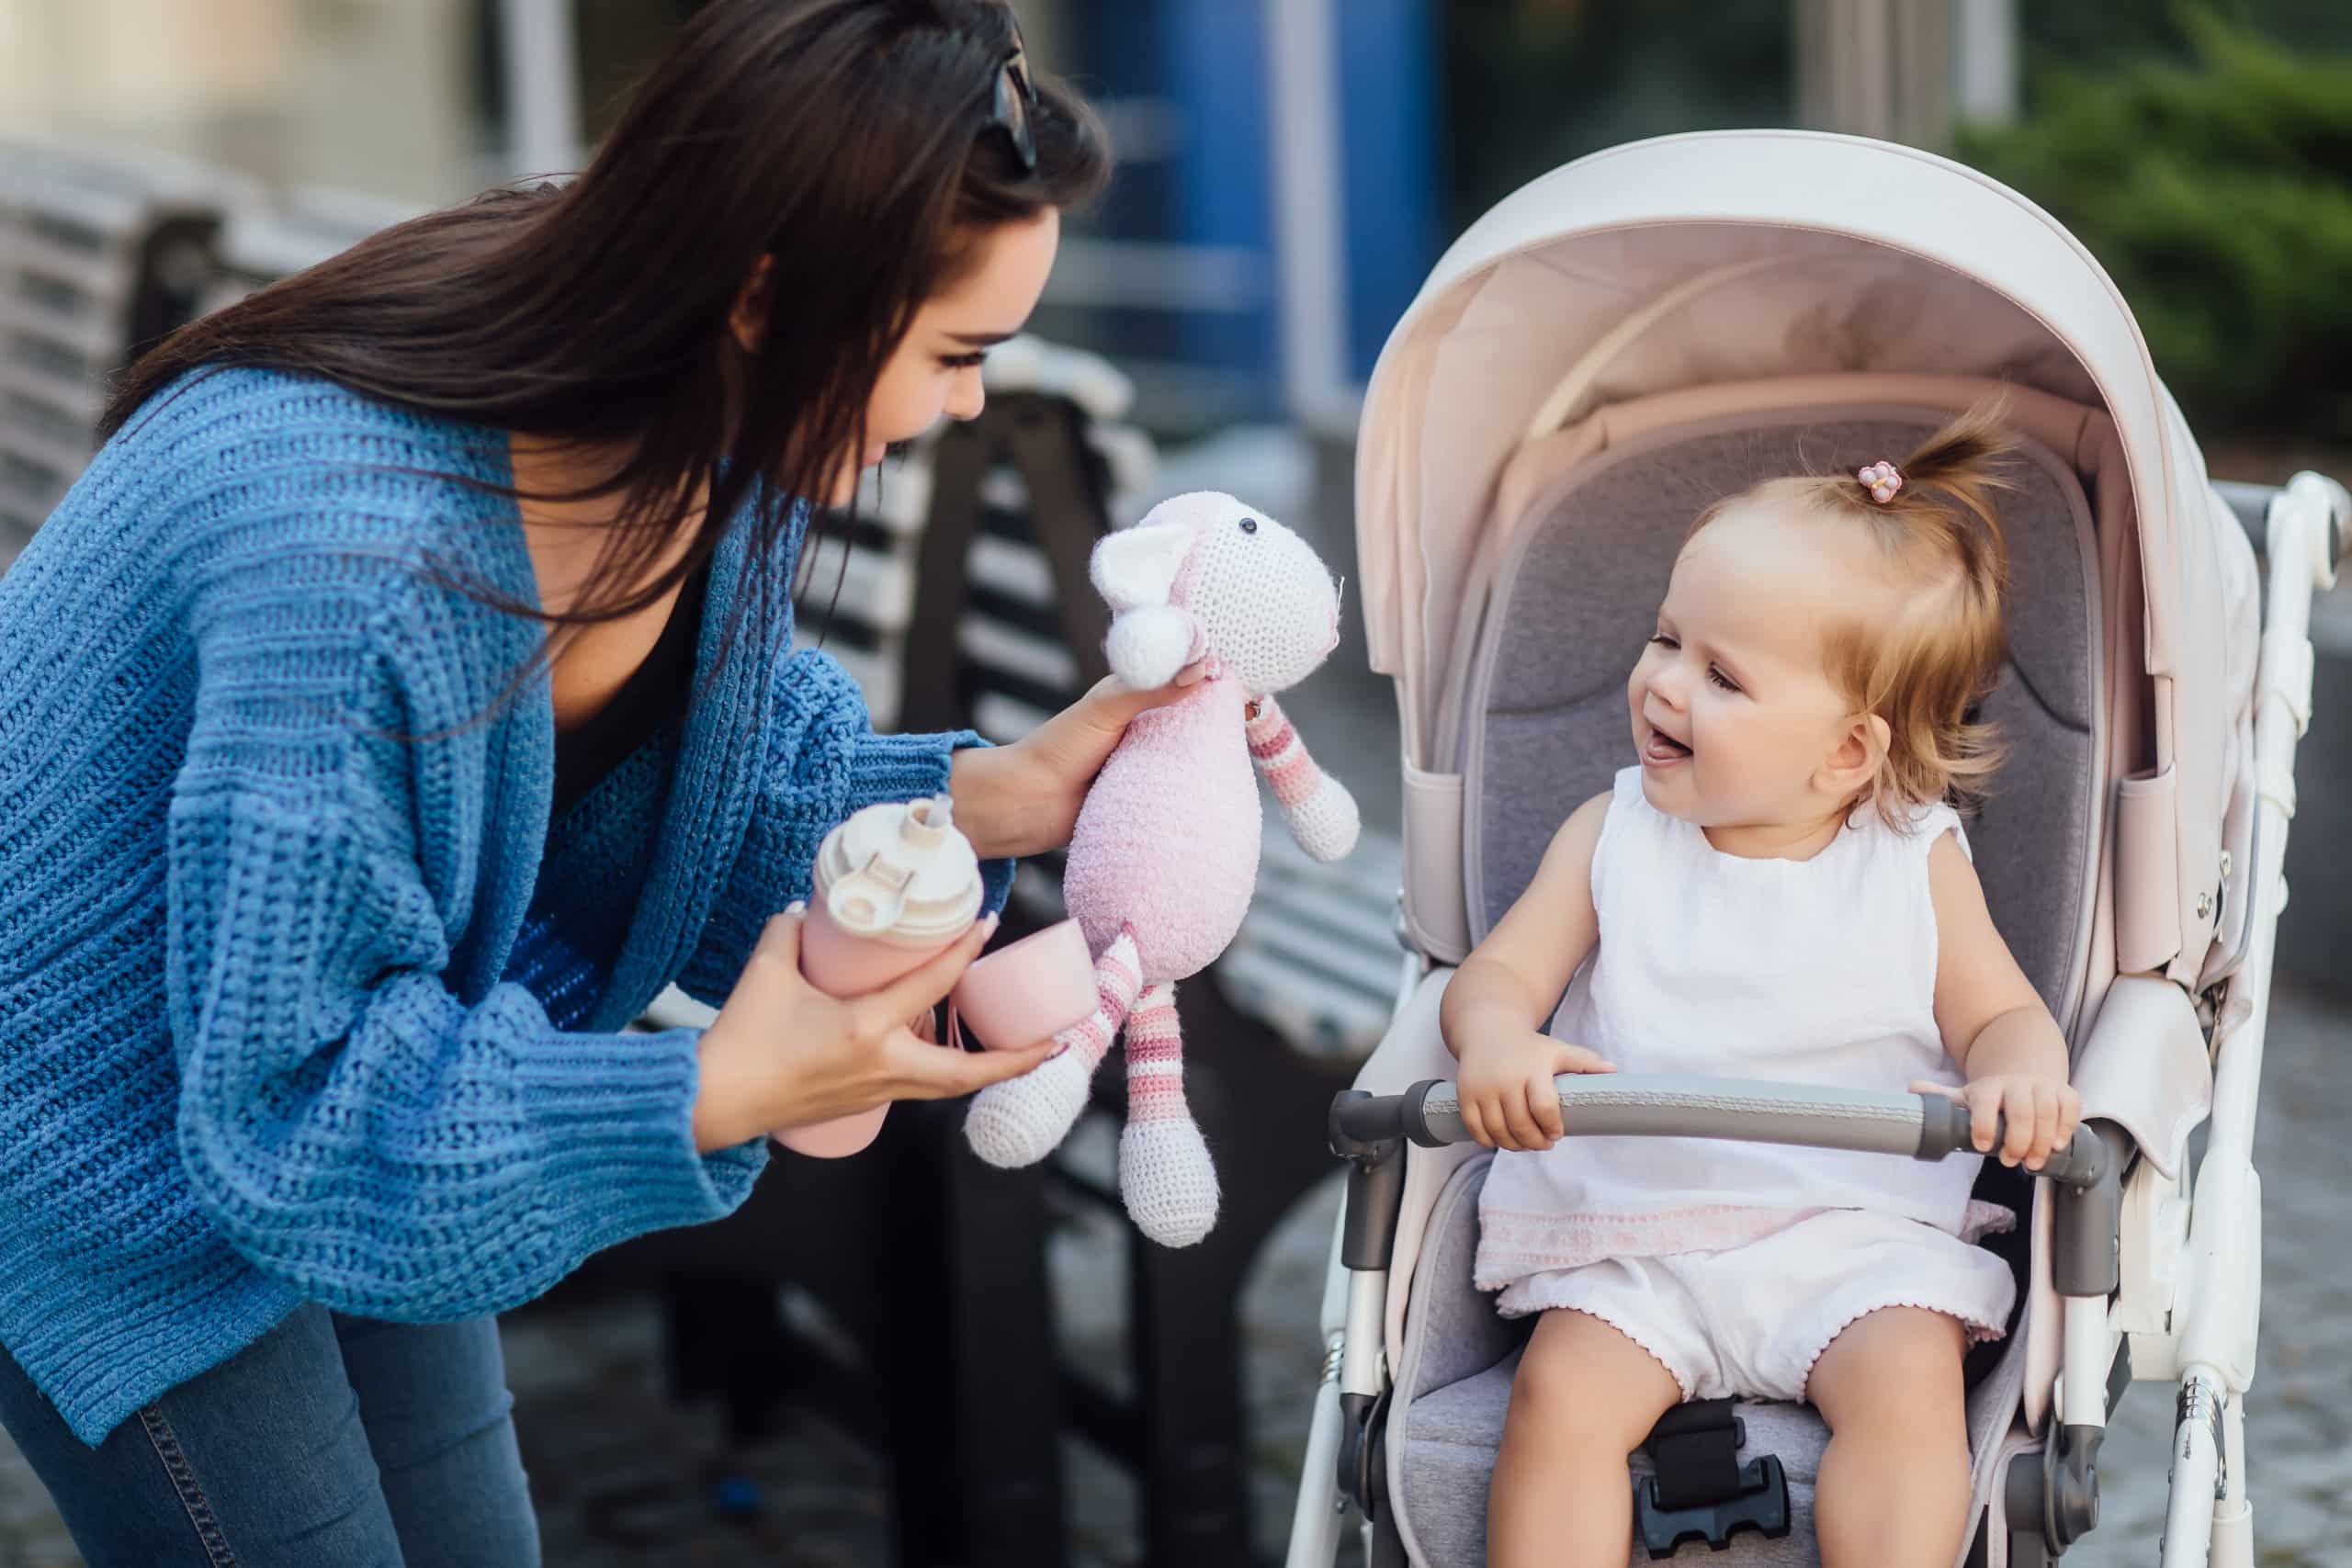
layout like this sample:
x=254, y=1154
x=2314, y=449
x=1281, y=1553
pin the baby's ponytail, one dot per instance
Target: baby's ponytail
x=1923, y=670
x=1948, y=485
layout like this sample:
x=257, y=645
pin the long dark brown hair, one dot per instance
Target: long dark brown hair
x=849, y=141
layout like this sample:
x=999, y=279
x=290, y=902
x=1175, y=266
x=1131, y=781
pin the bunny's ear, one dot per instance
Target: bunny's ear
x=1136, y=568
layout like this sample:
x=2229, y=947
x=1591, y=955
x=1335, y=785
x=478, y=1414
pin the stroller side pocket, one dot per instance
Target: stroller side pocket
x=2147, y=873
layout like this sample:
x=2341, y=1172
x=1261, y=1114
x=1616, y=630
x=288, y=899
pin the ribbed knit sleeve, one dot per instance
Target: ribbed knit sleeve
x=823, y=763
x=354, y=1127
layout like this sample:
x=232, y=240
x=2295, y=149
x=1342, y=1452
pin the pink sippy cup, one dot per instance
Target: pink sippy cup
x=895, y=886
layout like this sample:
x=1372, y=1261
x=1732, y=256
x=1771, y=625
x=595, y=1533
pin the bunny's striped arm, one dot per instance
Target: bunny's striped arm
x=1318, y=808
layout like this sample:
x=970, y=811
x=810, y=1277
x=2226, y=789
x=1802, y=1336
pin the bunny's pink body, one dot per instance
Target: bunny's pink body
x=1166, y=845
x=1164, y=857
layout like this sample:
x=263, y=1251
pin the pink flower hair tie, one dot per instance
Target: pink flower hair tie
x=1881, y=480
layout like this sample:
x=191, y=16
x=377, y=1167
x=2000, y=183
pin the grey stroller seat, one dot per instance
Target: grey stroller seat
x=1570, y=602
x=1603, y=354
x=1455, y=1384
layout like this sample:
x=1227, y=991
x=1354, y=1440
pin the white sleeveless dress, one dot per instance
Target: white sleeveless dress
x=1737, y=1264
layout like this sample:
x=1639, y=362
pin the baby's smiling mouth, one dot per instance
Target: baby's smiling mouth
x=1664, y=750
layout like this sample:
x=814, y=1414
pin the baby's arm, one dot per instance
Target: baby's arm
x=1993, y=1020
x=1494, y=1011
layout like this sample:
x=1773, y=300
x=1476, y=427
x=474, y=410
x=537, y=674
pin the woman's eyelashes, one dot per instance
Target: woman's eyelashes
x=964, y=361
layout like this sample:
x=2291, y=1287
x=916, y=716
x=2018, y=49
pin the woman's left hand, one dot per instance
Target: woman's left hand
x=1024, y=800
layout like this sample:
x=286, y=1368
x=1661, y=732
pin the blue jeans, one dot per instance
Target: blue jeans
x=330, y=1442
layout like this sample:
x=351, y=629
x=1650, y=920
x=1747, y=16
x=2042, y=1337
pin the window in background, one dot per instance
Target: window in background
x=1532, y=83
x=1275, y=206
x=375, y=96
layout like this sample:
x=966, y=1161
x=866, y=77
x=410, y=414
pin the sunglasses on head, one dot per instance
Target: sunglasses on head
x=1009, y=110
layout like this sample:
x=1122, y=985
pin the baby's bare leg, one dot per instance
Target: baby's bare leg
x=1894, y=1486
x=1584, y=1399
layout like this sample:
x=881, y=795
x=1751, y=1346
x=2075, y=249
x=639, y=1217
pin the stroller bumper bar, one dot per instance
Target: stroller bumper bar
x=1597, y=1105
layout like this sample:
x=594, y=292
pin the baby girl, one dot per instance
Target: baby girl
x=1779, y=891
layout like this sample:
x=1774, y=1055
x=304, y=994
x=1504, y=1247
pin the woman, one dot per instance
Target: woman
x=400, y=700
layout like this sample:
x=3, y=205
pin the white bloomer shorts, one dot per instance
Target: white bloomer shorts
x=1750, y=1322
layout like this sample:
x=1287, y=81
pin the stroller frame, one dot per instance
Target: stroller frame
x=2122, y=1228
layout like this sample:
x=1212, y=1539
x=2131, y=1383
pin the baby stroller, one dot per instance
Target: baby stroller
x=1618, y=344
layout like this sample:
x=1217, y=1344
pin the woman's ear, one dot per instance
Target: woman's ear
x=748, y=320
x=1853, y=763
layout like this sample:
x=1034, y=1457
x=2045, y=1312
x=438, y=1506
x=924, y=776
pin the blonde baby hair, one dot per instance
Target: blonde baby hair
x=1923, y=668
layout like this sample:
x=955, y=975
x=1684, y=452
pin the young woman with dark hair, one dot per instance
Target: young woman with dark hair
x=400, y=700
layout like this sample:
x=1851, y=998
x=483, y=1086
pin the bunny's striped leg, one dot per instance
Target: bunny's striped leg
x=1165, y=1173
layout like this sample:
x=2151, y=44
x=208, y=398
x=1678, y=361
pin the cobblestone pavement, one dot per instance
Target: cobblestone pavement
x=625, y=1481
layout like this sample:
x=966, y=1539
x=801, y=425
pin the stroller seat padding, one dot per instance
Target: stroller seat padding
x=1454, y=1387
x=1456, y=1431
x=1576, y=593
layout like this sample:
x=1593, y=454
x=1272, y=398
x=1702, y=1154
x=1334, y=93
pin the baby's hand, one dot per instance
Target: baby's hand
x=2041, y=1113
x=1508, y=1101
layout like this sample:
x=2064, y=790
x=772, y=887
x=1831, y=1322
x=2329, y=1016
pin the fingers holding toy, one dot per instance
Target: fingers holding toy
x=924, y=988
x=1024, y=800
x=782, y=1054
x=1111, y=705
x=920, y=1070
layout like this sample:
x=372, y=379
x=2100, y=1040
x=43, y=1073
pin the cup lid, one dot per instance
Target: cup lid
x=901, y=870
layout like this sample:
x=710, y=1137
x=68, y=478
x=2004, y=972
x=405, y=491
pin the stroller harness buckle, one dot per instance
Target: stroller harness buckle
x=1699, y=1490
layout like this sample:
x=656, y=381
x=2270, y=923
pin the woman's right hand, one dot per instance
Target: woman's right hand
x=782, y=1054
x=1505, y=1084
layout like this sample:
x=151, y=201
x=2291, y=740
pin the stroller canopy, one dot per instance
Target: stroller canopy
x=1737, y=255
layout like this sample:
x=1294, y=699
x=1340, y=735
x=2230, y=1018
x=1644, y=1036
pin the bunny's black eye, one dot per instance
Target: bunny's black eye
x=1249, y=525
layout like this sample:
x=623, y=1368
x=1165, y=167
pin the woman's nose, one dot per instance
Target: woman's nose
x=969, y=396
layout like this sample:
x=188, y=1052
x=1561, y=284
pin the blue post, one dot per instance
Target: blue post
x=1388, y=129
x=1207, y=59
x=1215, y=58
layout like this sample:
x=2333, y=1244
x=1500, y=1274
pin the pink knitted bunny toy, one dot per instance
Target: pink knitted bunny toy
x=1165, y=855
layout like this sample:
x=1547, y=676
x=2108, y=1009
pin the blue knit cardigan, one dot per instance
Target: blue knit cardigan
x=295, y=1008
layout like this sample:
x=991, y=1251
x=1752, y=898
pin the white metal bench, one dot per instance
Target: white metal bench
x=99, y=253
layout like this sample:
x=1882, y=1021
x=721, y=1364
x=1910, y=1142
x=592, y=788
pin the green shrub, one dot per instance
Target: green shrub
x=2218, y=193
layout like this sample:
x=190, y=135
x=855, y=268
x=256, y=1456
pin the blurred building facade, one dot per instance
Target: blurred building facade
x=375, y=96
x=1290, y=168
